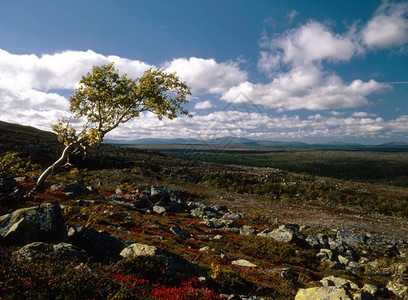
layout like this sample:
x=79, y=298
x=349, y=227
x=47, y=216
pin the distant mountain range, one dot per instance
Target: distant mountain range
x=15, y=132
x=250, y=143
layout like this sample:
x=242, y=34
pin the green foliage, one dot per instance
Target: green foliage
x=16, y=166
x=105, y=99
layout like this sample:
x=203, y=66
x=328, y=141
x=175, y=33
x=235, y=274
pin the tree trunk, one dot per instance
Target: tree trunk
x=55, y=165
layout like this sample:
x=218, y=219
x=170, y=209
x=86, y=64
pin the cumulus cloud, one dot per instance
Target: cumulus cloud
x=28, y=83
x=388, y=28
x=203, y=105
x=206, y=75
x=306, y=87
x=310, y=43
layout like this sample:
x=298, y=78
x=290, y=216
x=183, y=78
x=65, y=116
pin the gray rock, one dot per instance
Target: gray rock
x=42, y=223
x=177, y=230
x=101, y=245
x=285, y=235
x=339, y=282
x=350, y=238
x=248, y=230
x=158, y=209
x=75, y=189
x=33, y=251
x=67, y=251
x=243, y=263
x=325, y=254
x=325, y=292
x=136, y=249
x=175, y=263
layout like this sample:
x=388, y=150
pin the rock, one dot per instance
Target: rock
x=350, y=238
x=177, y=230
x=33, y=251
x=158, y=209
x=9, y=189
x=248, y=230
x=42, y=223
x=399, y=289
x=317, y=241
x=175, y=263
x=370, y=291
x=285, y=235
x=243, y=263
x=232, y=215
x=67, y=251
x=218, y=223
x=325, y=292
x=75, y=189
x=219, y=237
x=101, y=245
x=325, y=254
x=338, y=282
x=136, y=250
x=159, y=194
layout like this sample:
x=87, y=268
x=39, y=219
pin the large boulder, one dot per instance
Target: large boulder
x=100, y=245
x=43, y=223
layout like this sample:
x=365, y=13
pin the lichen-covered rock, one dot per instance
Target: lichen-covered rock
x=135, y=250
x=248, y=230
x=67, y=251
x=338, y=282
x=399, y=289
x=33, y=251
x=325, y=292
x=42, y=223
x=243, y=263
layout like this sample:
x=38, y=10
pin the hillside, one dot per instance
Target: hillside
x=134, y=223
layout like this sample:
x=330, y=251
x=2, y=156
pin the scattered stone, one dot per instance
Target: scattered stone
x=219, y=237
x=136, y=250
x=243, y=263
x=177, y=230
x=338, y=282
x=248, y=230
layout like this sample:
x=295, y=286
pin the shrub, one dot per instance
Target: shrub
x=16, y=166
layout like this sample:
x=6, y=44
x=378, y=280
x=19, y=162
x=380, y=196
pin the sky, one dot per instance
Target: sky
x=285, y=70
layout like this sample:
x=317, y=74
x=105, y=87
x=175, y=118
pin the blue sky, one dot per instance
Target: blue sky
x=313, y=71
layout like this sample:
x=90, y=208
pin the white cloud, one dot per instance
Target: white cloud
x=388, y=28
x=206, y=75
x=27, y=81
x=306, y=87
x=203, y=105
x=312, y=42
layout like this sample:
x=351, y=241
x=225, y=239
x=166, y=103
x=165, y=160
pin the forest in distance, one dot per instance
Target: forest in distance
x=370, y=164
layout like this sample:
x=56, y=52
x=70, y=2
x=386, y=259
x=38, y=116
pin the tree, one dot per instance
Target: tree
x=104, y=100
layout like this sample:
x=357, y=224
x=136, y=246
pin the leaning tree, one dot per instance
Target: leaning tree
x=104, y=100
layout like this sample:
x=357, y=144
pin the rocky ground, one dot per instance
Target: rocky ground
x=126, y=224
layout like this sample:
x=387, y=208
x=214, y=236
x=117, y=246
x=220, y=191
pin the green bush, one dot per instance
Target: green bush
x=16, y=166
